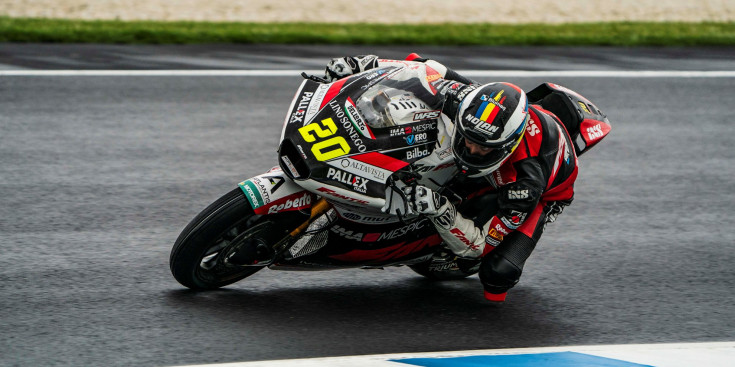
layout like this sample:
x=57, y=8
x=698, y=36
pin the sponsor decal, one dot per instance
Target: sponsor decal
x=401, y=131
x=374, y=78
x=501, y=230
x=444, y=266
x=417, y=138
x=347, y=125
x=314, y=106
x=518, y=194
x=532, y=129
x=426, y=115
x=301, y=150
x=424, y=127
x=290, y=166
x=340, y=196
x=515, y=219
x=252, y=194
x=357, y=121
x=489, y=108
x=445, y=220
x=380, y=236
x=443, y=154
x=358, y=183
x=407, y=130
x=481, y=125
x=298, y=115
x=362, y=169
x=398, y=232
x=461, y=236
x=276, y=182
x=359, y=218
x=291, y=204
x=416, y=153
x=498, y=178
x=595, y=132
x=493, y=238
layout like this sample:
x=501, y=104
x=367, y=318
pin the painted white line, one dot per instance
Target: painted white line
x=658, y=355
x=468, y=73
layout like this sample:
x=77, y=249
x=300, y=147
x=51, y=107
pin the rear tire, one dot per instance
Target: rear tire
x=197, y=260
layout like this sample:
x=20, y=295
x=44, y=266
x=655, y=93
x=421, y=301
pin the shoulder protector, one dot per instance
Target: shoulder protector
x=586, y=124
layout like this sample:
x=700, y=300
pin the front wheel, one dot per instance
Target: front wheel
x=197, y=259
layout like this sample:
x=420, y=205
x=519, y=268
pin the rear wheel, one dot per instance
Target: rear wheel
x=197, y=258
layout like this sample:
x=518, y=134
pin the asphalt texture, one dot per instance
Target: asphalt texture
x=98, y=175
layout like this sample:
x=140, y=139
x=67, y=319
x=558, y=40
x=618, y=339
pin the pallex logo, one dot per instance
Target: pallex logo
x=358, y=183
x=292, y=204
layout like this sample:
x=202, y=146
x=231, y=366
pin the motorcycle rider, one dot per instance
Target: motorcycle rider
x=517, y=167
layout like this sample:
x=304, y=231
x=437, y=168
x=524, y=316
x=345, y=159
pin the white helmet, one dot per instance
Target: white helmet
x=494, y=116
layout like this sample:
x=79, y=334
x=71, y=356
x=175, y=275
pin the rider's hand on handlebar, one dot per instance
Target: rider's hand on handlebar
x=345, y=66
x=425, y=201
x=397, y=201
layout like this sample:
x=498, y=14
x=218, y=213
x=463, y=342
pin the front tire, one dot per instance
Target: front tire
x=197, y=259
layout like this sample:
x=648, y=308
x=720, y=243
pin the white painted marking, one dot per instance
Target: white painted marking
x=468, y=73
x=658, y=355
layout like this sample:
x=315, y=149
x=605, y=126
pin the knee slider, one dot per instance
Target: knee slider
x=498, y=274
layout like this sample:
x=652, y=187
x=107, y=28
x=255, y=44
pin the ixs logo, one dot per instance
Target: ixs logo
x=426, y=115
x=298, y=115
x=595, y=132
x=518, y=194
x=358, y=183
x=291, y=204
x=481, y=125
x=416, y=153
x=532, y=129
x=340, y=196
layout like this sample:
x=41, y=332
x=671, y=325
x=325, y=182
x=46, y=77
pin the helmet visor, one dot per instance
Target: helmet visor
x=486, y=158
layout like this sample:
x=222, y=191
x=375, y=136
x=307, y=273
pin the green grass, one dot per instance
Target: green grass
x=149, y=32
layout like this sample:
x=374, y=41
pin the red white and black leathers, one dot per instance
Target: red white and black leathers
x=499, y=217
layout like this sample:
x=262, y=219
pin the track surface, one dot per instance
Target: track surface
x=99, y=174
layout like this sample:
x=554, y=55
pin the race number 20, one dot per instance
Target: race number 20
x=325, y=149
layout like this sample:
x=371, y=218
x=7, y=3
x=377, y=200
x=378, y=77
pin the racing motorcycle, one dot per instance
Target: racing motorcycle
x=342, y=144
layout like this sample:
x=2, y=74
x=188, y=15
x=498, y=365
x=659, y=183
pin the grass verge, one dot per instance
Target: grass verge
x=579, y=34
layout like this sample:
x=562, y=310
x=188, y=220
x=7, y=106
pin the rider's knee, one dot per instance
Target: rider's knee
x=498, y=274
x=501, y=268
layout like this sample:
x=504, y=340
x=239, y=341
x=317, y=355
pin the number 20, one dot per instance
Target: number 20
x=338, y=144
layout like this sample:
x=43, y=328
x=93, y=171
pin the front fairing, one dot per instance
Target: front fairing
x=344, y=140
